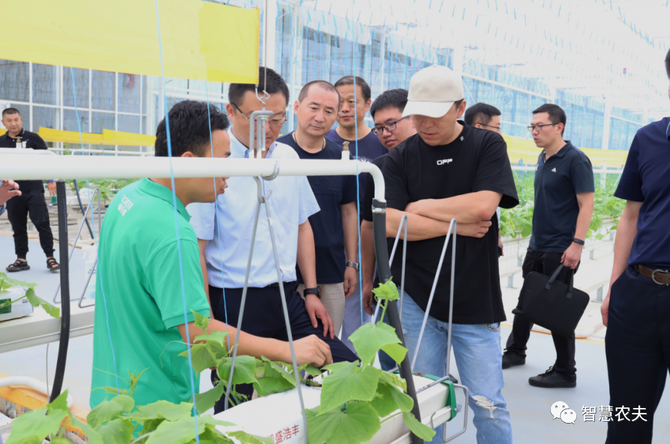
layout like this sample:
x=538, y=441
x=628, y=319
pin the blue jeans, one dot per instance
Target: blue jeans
x=479, y=360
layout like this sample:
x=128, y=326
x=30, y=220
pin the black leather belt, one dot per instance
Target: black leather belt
x=660, y=277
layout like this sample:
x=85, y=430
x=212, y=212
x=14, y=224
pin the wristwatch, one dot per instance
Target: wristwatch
x=353, y=264
x=578, y=241
x=316, y=291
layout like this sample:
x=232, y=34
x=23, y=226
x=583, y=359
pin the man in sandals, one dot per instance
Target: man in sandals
x=31, y=201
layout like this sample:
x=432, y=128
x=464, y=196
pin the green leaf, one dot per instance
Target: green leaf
x=33, y=427
x=349, y=384
x=246, y=438
x=390, y=398
x=165, y=410
x=209, y=419
x=358, y=424
x=119, y=431
x=181, y=431
x=210, y=436
x=396, y=380
x=36, y=301
x=422, y=431
x=91, y=434
x=244, y=370
x=205, y=401
x=104, y=412
x=60, y=441
x=11, y=282
x=126, y=401
x=335, y=366
x=200, y=321
x=60, y=403
x=396, y=351
x=216, y=336
x=387, y=291
x=369, y=339
x=310, y=369
x=200, y=357
x=274, y=380
x=113, y=391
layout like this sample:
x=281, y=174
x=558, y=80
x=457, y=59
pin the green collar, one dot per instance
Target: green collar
x=152, y=188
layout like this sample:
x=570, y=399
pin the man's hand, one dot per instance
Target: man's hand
x=350, y=281
x=572, y=256
x=311, y=350
x=315, y=309
x=52, y=188
x=368, y=298
x=605, y=307
x=415, y=207
x=8, y=190
x=475, y=229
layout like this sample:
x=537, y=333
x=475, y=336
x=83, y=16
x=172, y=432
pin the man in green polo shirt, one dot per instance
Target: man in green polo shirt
x=149, y=262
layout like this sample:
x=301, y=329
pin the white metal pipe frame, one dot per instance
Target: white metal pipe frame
x=30, y=166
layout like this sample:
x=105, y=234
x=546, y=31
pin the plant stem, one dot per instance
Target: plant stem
x=140, y=438
x=8, y=303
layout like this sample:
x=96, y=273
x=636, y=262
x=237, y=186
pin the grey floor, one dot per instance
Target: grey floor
x=529, y=406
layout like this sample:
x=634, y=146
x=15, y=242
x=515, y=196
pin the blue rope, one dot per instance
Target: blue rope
x=176, y=221
x=102, y=287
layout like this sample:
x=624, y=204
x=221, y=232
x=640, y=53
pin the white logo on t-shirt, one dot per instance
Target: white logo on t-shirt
x=444, y=161
x=553, y=170
x=124, y=206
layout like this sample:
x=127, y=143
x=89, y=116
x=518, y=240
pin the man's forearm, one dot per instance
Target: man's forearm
x=350, y=231
x=306, y=257
x=368, y=256
x=418, y=228
x=625, y=235
x=465, y=208
x=584, y=216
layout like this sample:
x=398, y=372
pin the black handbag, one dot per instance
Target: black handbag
x=553, y=304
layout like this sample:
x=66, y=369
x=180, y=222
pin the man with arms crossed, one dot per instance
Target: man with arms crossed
x=139, y=320
x=563, y=207
x=636, y=310
x=224, y=232
x=448, y=170
x=335, y=227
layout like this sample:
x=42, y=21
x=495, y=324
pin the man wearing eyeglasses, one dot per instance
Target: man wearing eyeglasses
x=563, y=206
x=224, y=235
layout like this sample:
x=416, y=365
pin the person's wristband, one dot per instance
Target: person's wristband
x=51, y=180
x=354, y=265
x=315, y=291
x=578, y=241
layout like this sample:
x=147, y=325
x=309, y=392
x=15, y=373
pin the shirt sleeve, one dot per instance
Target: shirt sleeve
x=397, y=194
x=202, y=219
x=366, y=205
x=348, y=190
x=2, y=209
x=494, y=172
x=38, y=142
x=630, y=184
x=582, y=176
x=164, y=274
x=308, y=204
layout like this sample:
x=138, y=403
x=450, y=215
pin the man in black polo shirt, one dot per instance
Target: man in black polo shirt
x=335, y=227
x=636, y=310
x=450, y=170
x=563, y=207
x=31, y=201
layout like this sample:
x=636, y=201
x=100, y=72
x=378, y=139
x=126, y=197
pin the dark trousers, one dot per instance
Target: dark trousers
x=264, y=316
x=545, y=263
x=18, y=208
x=637, y=345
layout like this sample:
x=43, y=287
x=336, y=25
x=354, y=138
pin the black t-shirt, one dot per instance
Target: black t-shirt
x=476, y=161
x=331, y=193
x=33, y=141
x=558, y=180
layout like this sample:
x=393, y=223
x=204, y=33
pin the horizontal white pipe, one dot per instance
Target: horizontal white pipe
x=33, y=166
x=25, y=381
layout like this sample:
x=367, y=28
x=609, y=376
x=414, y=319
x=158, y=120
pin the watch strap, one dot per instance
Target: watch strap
x=315, y=291
x=355, y=265
x=578, y=241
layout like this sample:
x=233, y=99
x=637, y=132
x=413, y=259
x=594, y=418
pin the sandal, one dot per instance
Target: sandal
x=52, y=265
x=18, y=265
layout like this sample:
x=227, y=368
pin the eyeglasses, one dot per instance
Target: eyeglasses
x=497, y=128
x=389, y=127
x=539, y=127
x=273, y=122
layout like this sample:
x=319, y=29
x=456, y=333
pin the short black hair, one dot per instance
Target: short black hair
x=667, y=63
x=189, y=129
x=556, y=113
x=10, y=111
x=322, y=84
x=272, y=83
x=349, y=80
x=480, y=113
x=393, y=98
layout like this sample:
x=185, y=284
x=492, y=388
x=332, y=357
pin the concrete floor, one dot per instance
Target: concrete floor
x=529, y=406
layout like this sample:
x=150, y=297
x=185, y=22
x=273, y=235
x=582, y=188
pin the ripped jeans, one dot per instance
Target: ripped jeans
x=479, y=361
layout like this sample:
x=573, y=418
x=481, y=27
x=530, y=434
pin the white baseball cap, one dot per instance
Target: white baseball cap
x=432, y=92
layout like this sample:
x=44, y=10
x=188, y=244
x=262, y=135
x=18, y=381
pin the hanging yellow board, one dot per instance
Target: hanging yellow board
x=200, y=40
x=74, y=137
x=110, y=137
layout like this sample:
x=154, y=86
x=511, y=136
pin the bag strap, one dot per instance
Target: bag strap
x=570, y=284
x=553, y=277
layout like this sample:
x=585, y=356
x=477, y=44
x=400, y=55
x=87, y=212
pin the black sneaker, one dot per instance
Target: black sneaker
x=510, y=359
x=552, y=379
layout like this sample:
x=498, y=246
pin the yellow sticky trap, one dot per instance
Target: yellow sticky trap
x=201, y=40
x=74, y=137
x=110, y=137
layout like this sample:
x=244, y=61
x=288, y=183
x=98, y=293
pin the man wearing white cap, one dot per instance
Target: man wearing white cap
x=451, y=170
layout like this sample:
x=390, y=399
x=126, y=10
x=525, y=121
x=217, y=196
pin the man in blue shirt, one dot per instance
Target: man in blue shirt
x=8, y=189
x=636, y=310
x=563, y=206
x=336, y=225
